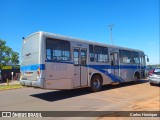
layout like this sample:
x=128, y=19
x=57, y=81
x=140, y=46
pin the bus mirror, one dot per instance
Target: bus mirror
x=147, y=59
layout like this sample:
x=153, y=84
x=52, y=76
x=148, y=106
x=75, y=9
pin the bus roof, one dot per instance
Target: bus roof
x=62, y=37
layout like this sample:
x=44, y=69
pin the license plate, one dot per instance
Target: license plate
x=28, y=74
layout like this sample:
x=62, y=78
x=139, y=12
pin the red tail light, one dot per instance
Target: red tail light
x=151, y=72
x=38, y=71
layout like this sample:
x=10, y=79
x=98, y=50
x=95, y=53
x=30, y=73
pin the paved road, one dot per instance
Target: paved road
x=111, y=98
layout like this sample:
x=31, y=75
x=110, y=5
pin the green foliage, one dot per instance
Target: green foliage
x=10, y=87
x=7, y=54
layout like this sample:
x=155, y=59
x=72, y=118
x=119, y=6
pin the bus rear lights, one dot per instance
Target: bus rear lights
x=38, y=73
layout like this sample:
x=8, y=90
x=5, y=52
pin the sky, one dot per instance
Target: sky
x=135, y=22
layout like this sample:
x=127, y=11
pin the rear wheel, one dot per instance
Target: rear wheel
x=151, y=83
x=136, y=78
x=96, y=83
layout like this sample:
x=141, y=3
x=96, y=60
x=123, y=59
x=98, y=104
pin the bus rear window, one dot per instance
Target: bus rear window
x=58, y=50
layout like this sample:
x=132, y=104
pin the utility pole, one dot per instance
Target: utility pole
x=110, y=27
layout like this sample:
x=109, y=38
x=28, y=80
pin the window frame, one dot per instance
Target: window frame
x=121, y=57
x=76, y=50
x=131, y=57
x=100, y=55
x=58, y=51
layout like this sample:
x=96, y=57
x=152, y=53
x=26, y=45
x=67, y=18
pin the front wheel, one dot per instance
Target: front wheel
x=151, y=83
x=96, y=83
x=136, y=78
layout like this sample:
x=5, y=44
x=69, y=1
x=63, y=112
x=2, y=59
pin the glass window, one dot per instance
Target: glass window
x=83, y=56
x=157, y=70
x=91, y=53
x=57, y=49
x=76, y=56
x=142, y=61
x=125, y=56
x=135, y=58
x=49, y=54
x=101, y=54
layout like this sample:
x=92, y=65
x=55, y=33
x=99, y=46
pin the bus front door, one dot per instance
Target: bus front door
x=114, y=58
x=80, y=69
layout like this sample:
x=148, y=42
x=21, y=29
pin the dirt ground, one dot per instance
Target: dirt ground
x=115, y=98
x=148, y=100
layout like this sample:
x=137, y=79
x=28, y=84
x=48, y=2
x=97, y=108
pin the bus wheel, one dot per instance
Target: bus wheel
x=151, y=83
x=96, y=83
x=136, y=78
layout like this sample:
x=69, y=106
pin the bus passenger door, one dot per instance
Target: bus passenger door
x=114, y=58
x=84, y=72
x=80, y=69
x=142, y=67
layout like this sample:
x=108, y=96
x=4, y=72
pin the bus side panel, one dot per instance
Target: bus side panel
x=127, y=72
x=59, y=75
x=103, y=70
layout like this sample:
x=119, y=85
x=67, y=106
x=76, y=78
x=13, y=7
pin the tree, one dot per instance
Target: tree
x=7, y=54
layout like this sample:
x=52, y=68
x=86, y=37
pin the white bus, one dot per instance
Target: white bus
x=52, y=61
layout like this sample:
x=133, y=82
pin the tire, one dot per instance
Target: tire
x=136, y=78
x=96, y=83
x=151, y=83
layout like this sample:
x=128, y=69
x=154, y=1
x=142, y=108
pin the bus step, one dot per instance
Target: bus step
x=115, y=83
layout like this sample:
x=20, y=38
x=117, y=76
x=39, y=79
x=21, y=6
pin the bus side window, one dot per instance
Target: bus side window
x=135, y=58
x=114, y=58
x=125, y=56
x=83, y=57
x=101, y=54
x=49, y=53
x=76, y=56
x=91, y=53
x=111, y=59
x=57, y=50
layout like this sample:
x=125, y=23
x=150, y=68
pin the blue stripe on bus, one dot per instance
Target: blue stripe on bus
x=116, y=67
x=33, y=67
x=113, y=77
x=101, y=68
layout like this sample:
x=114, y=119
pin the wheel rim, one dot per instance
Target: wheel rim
x=96, y=83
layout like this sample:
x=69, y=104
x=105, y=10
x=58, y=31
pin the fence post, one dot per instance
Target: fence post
x=7, y=82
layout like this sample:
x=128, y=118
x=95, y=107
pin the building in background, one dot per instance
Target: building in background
x=10, y=72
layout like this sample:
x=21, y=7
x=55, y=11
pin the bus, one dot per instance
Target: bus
x=52, y=61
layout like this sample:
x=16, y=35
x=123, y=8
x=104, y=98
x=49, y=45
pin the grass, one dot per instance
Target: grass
x=10, y=87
